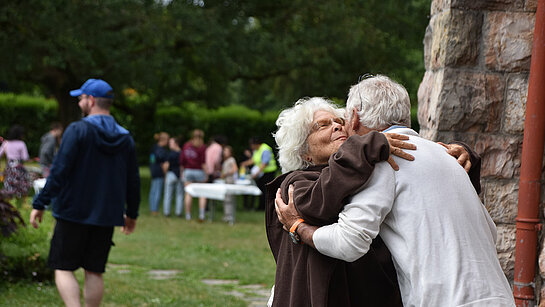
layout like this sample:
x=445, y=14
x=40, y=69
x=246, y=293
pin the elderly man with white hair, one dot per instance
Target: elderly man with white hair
x=441, y=237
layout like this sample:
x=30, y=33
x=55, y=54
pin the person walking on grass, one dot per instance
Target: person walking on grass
x=93, y=176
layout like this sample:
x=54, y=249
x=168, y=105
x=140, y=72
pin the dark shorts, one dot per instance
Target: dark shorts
x=77, y=245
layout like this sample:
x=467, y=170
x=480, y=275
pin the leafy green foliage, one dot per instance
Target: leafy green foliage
x=23, y=255
x=261, y=54
x=9, y=216
x=34, y=114
x=236, y=122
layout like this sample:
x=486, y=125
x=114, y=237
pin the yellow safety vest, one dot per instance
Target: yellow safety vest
x=271, y=166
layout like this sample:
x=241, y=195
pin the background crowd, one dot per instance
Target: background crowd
x=175, y=164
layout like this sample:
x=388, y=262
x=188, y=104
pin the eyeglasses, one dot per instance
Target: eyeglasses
x=325, y=123
x=365, y=76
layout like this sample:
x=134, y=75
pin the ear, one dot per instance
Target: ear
x=354, y=120
x=307, y=158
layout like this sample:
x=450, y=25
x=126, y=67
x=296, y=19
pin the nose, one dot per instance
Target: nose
x=337, y=126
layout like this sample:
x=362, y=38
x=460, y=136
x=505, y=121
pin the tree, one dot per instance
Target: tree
x=263, y=54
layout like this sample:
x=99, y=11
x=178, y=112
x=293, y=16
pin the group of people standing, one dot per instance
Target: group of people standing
x=172, y=167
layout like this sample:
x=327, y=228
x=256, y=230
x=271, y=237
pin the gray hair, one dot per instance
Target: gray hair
x=294, y=126
x=380, y=102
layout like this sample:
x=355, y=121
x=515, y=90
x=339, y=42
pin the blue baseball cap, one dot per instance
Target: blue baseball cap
x=95, y=88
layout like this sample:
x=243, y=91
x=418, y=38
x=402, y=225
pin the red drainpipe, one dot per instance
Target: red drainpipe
x=530, y=171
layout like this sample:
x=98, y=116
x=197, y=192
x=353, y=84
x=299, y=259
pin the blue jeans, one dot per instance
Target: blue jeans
x=156, y=189
x=173, y=183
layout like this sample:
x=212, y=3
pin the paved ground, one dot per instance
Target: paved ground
x=255, y=295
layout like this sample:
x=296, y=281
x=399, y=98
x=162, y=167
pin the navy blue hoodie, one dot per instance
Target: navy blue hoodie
x=94, y=174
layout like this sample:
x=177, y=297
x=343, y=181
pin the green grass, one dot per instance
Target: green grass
x=211, y=250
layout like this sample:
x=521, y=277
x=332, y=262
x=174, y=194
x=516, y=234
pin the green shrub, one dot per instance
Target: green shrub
x=238, y=123
x=10, y=219
x=34, y=114
x=23, y=255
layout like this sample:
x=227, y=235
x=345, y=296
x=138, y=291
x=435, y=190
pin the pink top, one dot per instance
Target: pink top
x=14, y=150
x=213, y=158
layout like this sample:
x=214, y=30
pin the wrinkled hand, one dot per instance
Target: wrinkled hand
x=35, y=217
x=287, y=214
x=396, y=145
x=458, y=152
x=130, y=224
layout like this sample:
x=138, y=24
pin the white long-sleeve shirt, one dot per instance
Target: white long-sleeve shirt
x=440, y=235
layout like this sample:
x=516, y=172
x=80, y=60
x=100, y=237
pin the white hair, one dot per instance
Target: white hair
x=380, y=103
x=294, y=126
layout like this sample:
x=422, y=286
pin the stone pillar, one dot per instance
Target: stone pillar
x=477, y=55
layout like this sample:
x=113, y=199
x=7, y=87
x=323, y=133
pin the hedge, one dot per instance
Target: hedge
x=238, y=123
x=35, y=114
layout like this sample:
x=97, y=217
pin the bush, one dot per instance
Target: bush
x=9, y=216
x=238, y=123
x=23, y=255
x=33, y=113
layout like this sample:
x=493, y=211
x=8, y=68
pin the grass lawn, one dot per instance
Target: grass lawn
x=189, y=250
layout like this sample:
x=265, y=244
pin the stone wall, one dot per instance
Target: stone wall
x=477, y=55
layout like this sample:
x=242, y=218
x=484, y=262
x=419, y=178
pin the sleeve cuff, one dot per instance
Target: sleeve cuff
x=38, y=206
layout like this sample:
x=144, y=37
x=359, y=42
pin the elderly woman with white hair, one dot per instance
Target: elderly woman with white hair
x=309, y=133
x=309, y=136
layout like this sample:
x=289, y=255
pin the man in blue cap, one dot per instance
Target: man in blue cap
x=93, y=176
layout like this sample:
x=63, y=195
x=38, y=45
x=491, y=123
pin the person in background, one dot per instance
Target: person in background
x=192, y=165
x=213, y=158
x=264, y=166
x=229, y=171
x=48, y=147
x=16, y=180
x=173, y=180
x=95, y=182
x=158, y=157
x=243, y=174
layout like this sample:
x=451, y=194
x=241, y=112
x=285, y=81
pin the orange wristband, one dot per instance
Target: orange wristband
x=294, y=226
